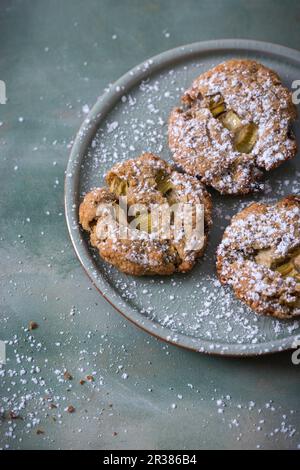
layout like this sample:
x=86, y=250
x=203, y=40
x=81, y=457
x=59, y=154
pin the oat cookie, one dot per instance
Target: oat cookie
x=259, y=257
x=150, y=181
x=235, y=125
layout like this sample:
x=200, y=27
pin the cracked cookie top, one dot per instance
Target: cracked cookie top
x=236, y=124
x=260, y=257
x=146, y=183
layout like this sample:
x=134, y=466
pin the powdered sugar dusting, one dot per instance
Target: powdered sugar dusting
x=199, y=310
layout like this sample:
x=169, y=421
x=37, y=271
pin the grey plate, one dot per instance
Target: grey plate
x=192, y=310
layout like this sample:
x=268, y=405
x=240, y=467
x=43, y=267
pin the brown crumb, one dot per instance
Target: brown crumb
x=70, y=409
x=90, y=378
x=40, y=431
x=13, y=415
x=82, y=382
x=67, y=375
x=114, y=434
x=48, y=398
x=52, y=406
x=33, y=325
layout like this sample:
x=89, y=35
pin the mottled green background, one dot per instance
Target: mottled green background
x=55, y=57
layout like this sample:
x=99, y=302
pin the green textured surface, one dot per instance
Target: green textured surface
x=56, y=57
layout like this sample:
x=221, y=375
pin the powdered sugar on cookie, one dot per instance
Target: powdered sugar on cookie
x=204, y=144
x=256, y=254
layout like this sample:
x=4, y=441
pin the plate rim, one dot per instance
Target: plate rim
x=81, y=143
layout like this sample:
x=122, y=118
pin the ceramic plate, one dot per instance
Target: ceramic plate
x=190, y=310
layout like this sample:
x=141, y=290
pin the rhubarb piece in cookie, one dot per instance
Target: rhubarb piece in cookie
x=236, y=124
x=124, y=221
x=259, y=257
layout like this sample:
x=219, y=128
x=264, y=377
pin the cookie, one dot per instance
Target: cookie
x=259, y=257
x=235, y=125
x=145, y=183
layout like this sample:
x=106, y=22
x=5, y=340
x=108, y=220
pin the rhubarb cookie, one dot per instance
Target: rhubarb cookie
x=259, y=257
x=236, y=123
x=134, y=225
